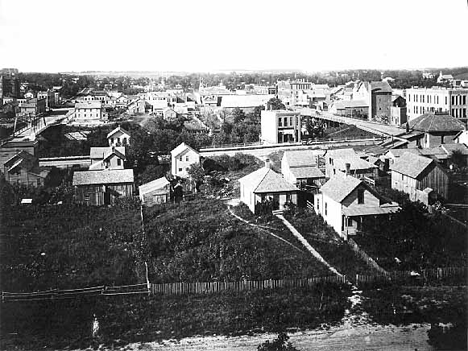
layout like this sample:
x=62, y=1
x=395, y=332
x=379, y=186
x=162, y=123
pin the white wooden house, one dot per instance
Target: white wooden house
x=182, y=157
x=118, y=137
x=265, y=184
x=155, y=192
x=344, y=202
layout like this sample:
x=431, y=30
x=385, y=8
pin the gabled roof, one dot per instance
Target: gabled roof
x=450, y=148
x=307, y=172
x=300, y=158
x=411, y=165
x=101, y=152
x=116, y=153
x=181, y=148
x=153, y=185
x=436, y=122
x=338, y=188
x=119, y=128
x=265, y=180
x=115, y=176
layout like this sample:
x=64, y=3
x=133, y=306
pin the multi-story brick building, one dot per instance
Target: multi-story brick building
x=437, y=99
x=378, y=96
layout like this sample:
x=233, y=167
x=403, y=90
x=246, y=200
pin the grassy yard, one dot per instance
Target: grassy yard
x=201, y=241
x=324, y=239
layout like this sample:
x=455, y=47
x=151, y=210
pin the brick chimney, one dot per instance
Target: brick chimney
x=348, y=168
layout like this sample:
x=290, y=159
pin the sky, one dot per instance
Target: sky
x=213, y=35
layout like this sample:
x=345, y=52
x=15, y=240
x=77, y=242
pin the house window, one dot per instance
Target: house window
x=360, y=195
x=180, y=169
x=119, y=162
x=180, y=158
x=186, y=158
x=402, y=177
x=280, y=122
x=318, y=204
x=326, y=208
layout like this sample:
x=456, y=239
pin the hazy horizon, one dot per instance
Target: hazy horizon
x=208, y=36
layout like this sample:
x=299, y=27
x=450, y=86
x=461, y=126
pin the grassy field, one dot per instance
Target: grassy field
x=201, y=241
x=324, y=239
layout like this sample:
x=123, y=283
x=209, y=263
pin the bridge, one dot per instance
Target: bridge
x=38, y=125
x=369, y=126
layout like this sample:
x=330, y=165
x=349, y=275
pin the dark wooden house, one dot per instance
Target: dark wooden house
x=102, y=187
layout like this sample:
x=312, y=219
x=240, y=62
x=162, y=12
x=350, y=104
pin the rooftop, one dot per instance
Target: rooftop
x=153, y=185
x=116, y=176
x=307, y=172
x=300, y=158
x=118, y=129
x=265, y=180
x=181, y=148
x=436, y=122
x=338, y=188
x=411, y=165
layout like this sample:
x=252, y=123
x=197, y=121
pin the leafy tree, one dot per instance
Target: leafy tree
x=238, y=115
x=275, y=104
x=197, y=173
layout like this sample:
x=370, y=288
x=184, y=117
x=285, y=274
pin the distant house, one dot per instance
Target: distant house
x=168, y=113
x=435, y=128
x=102, y=187
x=345, y=202
x=89, y=110
x=137, y=106
x=32, y=107
x=413, y=174
x=266, y=185
x=118, y=137
x=182, y=157
x=155, y=192
x=398, y=115
x=300, y=168
x=23, y=168
x=107, y=158
x=346, y=161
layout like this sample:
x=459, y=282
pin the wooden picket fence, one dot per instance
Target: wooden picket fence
x=61, y=294
x=246, y=285
x=446, y=275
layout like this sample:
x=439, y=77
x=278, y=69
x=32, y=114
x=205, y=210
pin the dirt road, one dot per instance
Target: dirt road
x=363, y=338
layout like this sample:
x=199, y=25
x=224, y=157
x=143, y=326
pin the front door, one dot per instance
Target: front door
x=276, y=201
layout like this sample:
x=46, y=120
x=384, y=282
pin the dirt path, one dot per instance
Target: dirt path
x=261, y=228
x=307, y=245
x=365, y=338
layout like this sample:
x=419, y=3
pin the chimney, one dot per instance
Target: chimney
x=348, y=168
x=267, y=163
